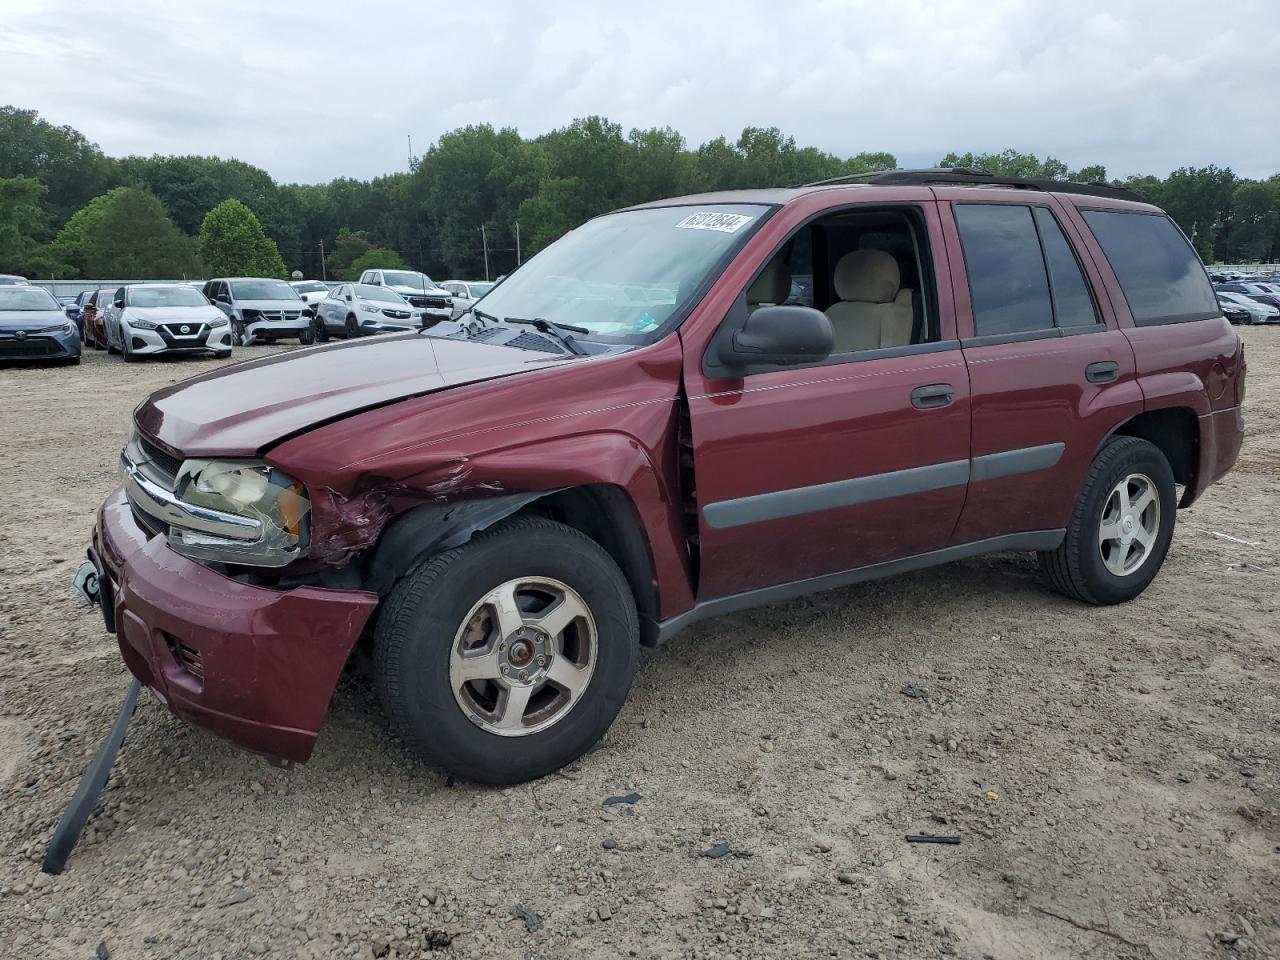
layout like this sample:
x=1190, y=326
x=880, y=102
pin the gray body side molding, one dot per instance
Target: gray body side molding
x=1031, y=540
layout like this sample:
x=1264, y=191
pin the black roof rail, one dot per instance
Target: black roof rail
x=967, y=176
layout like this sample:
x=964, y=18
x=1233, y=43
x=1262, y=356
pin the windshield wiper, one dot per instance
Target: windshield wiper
x=480, y=314
x=560, y=332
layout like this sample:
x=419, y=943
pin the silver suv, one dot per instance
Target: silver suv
x=261, y=309
x=419, y=289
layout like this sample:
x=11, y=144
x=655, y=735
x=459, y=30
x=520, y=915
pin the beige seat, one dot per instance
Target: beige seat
x=773, y=286
x=869, y=313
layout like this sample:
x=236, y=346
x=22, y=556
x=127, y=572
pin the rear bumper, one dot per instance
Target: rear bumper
x=1221, y=436
x=254, y=665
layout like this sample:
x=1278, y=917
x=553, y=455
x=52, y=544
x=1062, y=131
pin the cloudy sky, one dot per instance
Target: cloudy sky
x=320, y=89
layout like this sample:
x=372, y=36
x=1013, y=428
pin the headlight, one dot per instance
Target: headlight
x=219, y=322
x=370, y=308
x=139, y=324
x=247, y=488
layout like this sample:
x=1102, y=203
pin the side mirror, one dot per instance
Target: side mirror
x=117, y=303
x=769, y=338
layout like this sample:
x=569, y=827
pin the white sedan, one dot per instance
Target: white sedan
x=145, y=319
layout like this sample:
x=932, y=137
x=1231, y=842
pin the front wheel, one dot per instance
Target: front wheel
x=353, y=328
x=509, y=656
x=307, y=337
x=1121, y=527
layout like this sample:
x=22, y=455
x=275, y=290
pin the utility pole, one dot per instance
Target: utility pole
x=410, y=151
x=484, y=238
x=517, y=243
x=323, y=275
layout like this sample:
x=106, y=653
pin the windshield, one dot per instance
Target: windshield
x=27, y=298
x=367, y=291
x=310, y=287
x=263, y=290
x=166, y=297
x=406, y=278
x=621, y=276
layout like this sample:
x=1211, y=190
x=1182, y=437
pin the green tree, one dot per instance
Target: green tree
x=72, y=169
x=132, y=237
x=22, y=220
x=379, y=258
x=1009, y=163
x=232, y=243
x=74, y=242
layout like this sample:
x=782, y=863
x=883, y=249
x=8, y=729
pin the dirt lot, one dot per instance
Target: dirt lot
x=1114, y=774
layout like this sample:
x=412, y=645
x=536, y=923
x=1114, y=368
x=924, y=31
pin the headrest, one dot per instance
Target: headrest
x=868, y=275
x=772, y=286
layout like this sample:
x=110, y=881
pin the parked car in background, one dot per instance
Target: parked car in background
x=311, y=291
x=147, y=319
x=1254, y=291
x=506, y=510
x=1255, y=311
x=34, y=326
x=1234, y=313
x=261, y=310
x=74, y=308
x=419, y=289
x=360, y=309
x=13, y=280
x=465, y=293
x=93, y=328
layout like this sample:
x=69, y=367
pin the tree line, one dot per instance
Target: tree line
x=68, y=210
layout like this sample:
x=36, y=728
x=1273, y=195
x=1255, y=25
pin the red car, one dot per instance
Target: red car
x=93, y=330
x=677, y=410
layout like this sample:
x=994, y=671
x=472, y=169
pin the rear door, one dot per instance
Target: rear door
x=1051, y=374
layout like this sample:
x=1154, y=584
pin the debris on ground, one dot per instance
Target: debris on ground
x=628, y=798
x=532, y=922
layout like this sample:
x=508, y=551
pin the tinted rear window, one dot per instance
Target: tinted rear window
x=1162, y=278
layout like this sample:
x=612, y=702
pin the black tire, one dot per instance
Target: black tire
x=1076, y=568
x=420, y=619
x=353, y=328
x=222, y=355
x=111, y=348
x=319, y=330
x=129, y=355
x=306, y=337
x=237, y=332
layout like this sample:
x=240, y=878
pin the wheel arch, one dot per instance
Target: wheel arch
x=1175, y=431
x=603, y=512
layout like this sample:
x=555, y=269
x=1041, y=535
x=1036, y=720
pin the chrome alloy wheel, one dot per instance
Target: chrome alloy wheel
x=1130, y=525
x=523, y=656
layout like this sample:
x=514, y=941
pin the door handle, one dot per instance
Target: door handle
x=932, y=396
x=1104, y=371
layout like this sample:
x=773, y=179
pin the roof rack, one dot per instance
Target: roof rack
x=967, y=176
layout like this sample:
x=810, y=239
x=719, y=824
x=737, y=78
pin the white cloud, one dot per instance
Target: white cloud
x=315, y=90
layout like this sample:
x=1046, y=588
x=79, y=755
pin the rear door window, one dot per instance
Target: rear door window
x=1008, y=284
x=1072, y=302
x=1162, y=277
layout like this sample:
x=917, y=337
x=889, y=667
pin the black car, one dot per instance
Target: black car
x=1234, y=313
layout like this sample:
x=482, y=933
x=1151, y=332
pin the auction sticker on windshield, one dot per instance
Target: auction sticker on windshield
x=723, y=222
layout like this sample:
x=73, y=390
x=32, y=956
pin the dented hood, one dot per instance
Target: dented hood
x=241, y=409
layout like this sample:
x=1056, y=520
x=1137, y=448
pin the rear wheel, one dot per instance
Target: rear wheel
x=1121, y=527
x=508, y=657
x=353, y=328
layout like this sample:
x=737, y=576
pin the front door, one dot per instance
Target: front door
x=813, y=471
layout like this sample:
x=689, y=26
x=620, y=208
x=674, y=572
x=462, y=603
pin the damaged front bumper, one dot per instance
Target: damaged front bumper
x=254, y=665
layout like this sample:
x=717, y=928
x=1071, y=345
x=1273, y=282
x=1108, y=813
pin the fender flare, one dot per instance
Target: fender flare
x=433, y=527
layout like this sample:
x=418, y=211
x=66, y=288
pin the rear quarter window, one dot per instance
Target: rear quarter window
x=1162, y=277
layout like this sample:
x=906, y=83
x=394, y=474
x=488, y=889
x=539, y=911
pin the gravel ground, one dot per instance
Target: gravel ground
x=1113, y=773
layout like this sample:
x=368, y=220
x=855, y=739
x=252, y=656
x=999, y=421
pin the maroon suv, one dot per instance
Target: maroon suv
x=681, y=409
